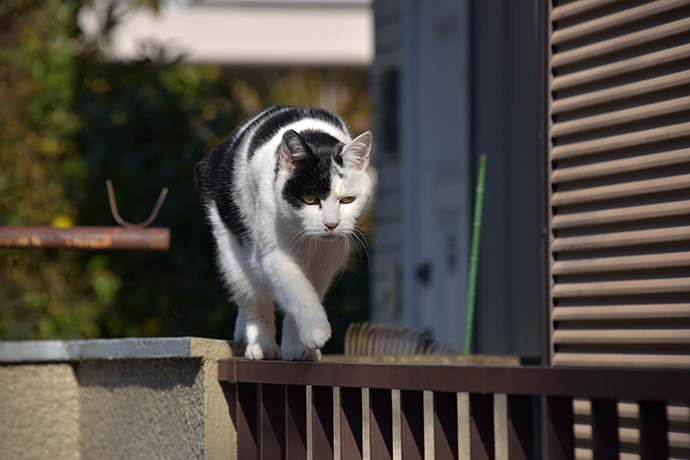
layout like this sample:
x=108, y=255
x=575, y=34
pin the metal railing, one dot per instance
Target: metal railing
x=381, y=411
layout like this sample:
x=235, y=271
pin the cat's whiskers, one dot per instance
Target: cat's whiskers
x=297, y=239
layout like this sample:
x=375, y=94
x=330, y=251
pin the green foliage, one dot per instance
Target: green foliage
x=70, y=120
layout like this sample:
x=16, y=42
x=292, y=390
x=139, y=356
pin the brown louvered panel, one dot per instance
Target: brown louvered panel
x=619, y=176
x=678, y=419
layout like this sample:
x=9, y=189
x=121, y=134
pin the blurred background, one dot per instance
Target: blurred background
x=139, y=91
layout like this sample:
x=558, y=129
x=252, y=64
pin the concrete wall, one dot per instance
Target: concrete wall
x=115, y=399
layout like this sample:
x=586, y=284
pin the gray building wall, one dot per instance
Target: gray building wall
x=452, y=80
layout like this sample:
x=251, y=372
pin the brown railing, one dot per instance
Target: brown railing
x=286, y=410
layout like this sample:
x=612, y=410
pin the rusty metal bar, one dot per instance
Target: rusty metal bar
x=95, y=238
x=635, y=384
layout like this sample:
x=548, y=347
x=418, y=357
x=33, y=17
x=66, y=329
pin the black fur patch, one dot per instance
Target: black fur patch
x=284, y=116
x=313, y=177
x=214, y=174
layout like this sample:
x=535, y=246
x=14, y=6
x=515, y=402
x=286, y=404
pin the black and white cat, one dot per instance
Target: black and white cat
x=283, y=195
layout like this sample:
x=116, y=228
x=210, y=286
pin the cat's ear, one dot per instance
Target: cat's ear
x=293, y=150
x=356, y=153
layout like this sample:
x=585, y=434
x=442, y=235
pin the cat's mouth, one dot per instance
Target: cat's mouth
x=332, y=236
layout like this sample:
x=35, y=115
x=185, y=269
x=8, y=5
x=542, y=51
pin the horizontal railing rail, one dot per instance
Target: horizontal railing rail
x=353, y=411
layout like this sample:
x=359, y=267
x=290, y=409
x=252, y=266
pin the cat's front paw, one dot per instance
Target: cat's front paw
x=262, y=351
x=315, y=334
x=300, y=353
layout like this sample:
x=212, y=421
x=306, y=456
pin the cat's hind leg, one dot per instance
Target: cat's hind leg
x=258, y=329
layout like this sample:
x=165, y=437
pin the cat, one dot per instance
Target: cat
x=283, y=194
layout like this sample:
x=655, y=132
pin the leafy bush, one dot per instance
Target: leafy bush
x=70, y=120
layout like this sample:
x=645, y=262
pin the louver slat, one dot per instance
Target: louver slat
x=621, y=141
x=622, y=263
x=617, y=93
x=624, y=190
x=610, y=119
x=622, y=239
x=621, y=215
x=622, y=313
x=618, y=69
x=614, y=20
x=625, y=165
x=621, y=288
x=626, y=338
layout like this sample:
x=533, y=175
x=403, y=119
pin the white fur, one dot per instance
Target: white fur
x=291, y=255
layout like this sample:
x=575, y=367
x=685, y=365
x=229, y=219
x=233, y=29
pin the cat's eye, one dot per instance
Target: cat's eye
x=347, y=199
x=310, y=199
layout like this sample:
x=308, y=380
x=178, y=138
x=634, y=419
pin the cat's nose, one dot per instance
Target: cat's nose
x=331, y=225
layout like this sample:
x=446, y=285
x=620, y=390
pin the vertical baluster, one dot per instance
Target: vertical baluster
x=351, y=424
x=653, y=430
x=322, y=422
x=381, y=424
x=247, y=441
x=412, y=424
x=559, y=430
x=520, y=427
x=604, y=429
x=296, y=422
x=271, y=422
x=482, y=426
x=446, y=425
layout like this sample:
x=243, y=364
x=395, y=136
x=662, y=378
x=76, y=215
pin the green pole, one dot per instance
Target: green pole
x=474, y=256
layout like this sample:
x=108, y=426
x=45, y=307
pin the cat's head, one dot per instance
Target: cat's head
x=327, y=186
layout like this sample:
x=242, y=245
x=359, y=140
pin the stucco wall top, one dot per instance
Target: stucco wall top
x=109, y=349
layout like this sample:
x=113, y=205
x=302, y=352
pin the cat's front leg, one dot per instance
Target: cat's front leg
x=295, y=294
x=291, y=346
